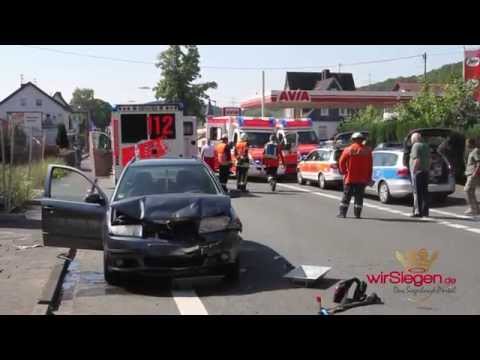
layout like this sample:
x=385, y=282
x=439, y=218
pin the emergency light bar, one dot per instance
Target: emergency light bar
x=256, y=122
x=148, y=108
x=294, y=123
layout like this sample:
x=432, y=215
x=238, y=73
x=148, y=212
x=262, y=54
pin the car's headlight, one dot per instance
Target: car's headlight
x=126, y=230
x=213, y=224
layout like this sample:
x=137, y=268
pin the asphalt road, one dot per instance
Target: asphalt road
x=297, y=226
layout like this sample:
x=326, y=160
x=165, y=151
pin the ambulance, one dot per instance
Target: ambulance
x=299, y=133
x=135, y=124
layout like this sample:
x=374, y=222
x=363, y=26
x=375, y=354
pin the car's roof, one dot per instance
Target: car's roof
x=396, y=151
x=166, y=161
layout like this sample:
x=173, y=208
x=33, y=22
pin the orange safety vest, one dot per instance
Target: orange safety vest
x=241, y=149
x=222, y=153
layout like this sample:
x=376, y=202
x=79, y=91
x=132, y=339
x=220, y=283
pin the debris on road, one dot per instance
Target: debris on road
x=24, y=247
x=307, y=273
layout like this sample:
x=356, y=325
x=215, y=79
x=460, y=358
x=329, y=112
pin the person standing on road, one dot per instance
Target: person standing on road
x=356, y=165
x=419, y=172
x=224, y=158
x=243, y=162
x=272, y=155
x=207, y=154
x=472, y=173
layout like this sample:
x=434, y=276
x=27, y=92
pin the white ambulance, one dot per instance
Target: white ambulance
x=134, y=123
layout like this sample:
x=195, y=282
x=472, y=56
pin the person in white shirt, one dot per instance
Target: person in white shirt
x=207, y=154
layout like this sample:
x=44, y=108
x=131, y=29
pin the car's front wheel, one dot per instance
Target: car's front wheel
x=111, y=277
x=384, y=193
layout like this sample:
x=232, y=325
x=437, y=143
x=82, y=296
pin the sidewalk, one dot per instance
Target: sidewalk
x=24, y=273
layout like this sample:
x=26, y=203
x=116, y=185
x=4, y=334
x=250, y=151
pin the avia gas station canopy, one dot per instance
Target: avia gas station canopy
x=316, y=99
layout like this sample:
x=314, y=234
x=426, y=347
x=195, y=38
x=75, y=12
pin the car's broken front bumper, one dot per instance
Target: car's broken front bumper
x=172, y=258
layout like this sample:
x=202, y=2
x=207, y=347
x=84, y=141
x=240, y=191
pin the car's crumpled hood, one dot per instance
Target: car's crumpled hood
x=154, y=208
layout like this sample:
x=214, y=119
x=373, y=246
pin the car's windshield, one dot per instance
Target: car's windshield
x=258, y=139
x=165, y=179
x=307, y=137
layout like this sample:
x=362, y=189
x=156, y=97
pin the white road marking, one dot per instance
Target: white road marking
x=188, y=303
x=446, y=213
x=393, y=211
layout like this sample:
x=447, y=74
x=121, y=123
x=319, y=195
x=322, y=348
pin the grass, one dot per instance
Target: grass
x=24, y=187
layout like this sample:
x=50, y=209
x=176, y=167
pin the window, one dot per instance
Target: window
x=38, y=102
x=258, y=139
x=313, y=156
x=389, y=160
x=324, y=112
x=166, y=179
x=307, y=137
x=377, y=159
x=188, y=128
x=61, y=187
x=343, y=112
x=324, y=155
x=215, y=133
x=23, y=102
x=134, y=128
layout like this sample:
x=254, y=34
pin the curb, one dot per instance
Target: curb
x=51, y=294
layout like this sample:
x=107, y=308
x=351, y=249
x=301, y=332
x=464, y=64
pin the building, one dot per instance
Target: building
x=325, y=119
x=37, y=111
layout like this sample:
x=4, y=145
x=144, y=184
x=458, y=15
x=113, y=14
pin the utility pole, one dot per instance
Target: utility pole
x=263, y=93
x=339, y=67
x=424, y=66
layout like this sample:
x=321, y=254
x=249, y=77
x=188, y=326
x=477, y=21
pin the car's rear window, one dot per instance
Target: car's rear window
x=165, y=179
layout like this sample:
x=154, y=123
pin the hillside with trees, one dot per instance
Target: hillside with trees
x=443, y=75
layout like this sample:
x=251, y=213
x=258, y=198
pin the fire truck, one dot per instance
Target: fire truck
x=161, y=126
x=258, y=130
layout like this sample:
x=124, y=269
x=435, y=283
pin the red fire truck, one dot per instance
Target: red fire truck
x=151, y=130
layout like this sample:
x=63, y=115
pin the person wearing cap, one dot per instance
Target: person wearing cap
x=356, y=166
x=243, y=163
x=224, y=158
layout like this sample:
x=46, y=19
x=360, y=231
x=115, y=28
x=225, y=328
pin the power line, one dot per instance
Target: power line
x=240, y=68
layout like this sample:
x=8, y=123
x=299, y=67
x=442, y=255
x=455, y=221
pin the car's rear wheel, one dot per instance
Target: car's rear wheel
x=322, y=182
x=300, y=179
x=232, y=272
x=384, y=193
x=111, y=277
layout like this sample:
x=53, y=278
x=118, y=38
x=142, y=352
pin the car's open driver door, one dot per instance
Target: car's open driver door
x=73, y=210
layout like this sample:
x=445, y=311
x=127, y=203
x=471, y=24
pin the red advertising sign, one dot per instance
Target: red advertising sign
x=294, y=96
x=232, y=111
x=472, y=70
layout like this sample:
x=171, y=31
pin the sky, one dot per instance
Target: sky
x=119, y=81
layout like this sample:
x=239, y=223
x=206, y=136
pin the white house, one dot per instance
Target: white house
x=44, y=112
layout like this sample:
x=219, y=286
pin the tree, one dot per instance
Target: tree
x=179, y=70
x=99, y=110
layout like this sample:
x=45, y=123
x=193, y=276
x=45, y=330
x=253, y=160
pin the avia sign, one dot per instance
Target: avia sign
x=294, y=96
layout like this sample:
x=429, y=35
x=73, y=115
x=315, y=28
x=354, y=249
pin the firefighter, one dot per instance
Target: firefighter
x=224, y=158
x=356, y=166
x=243, y=163
x=272, y=155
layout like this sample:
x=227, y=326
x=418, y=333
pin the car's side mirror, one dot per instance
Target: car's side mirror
x=95, y=199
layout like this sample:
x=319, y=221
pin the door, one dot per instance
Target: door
x=73, y=210
x=322, y=162
x=310, y=165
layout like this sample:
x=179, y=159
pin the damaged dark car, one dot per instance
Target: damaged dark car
x=167, y=217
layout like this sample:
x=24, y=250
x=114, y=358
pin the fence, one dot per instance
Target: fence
x=23, y=166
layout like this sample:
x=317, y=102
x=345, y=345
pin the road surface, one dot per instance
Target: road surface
x=297, y=226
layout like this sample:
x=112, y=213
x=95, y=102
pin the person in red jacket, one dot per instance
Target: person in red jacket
x=356, y=166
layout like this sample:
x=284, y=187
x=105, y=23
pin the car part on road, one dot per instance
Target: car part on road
x=25, y=247
x=307, y=273
x=341, y=291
